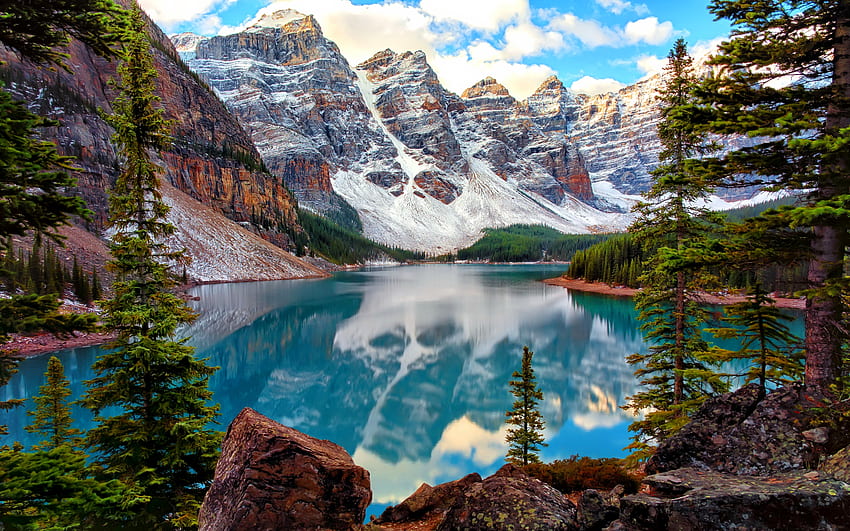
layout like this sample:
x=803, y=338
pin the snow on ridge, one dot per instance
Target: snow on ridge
x=275, y=19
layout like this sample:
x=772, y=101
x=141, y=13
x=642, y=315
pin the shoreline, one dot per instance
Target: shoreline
x=622, y=291
x=44, y=343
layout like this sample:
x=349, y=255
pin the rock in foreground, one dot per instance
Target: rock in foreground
x=740, y=434
x=696, y=499
x=274, y=477
x=509, y=499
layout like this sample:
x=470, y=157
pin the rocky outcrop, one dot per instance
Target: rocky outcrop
x=745, y=462
x=703, y=500
x=739, y=434
x=508, y=499
x=270, y=476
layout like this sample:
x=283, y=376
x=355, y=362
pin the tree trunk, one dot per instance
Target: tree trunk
x=824, y=313
x=679, y=361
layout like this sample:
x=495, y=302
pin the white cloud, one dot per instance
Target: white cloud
x=592, y=86
x=589, y=32
x=486, y=15
x=618, y=6
x=527, y=40
x=648, y=30
x=650, y=64
x=170, y=12
x=460, y=71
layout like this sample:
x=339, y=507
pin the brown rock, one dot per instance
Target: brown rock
x=428, y=502
x=509, y=499
x=274, y=477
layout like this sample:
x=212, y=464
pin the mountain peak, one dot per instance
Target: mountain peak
x=280, y=19
x=551, y=83
x=486, y=87
x=186, y=42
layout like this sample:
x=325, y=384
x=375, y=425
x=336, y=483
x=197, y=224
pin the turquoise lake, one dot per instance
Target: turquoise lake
x=406, y=367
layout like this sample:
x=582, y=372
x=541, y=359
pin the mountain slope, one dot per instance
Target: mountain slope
x=211, y=159
x=424, y=168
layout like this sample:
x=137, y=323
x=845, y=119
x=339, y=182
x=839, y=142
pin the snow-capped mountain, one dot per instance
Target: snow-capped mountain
x=424, y=168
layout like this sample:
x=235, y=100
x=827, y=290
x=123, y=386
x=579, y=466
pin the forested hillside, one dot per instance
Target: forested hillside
x=528, y=243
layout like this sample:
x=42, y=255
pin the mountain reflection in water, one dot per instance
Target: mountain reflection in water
x=407, y=368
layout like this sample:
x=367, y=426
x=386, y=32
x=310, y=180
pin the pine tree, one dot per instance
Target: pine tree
x=766, y=341
x=33, y=176
x=786, y=79
x=676, y=372
x=161, y=440
x=524, y=442
x=52, y=415
x=96, y=291
x=55, y=489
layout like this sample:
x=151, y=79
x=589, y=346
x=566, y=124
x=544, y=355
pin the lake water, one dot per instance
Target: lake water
x=407, y=368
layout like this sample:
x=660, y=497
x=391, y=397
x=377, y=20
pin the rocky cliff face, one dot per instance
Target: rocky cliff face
x=424, y=168
x=211, y=159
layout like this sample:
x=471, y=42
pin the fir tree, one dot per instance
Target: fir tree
x=675, y=373
x=525, y=440
x=161, y=440
x=96, y=291
x=55, y=489
x=33, y=175
x=766, y=341
x=804, y=126
x=52, y=415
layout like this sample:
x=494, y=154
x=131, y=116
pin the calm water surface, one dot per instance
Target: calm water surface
x=407, y=368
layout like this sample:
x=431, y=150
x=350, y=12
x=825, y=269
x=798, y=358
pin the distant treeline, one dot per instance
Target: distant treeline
x=340, y=245
x=39, y=270
x=618, y=261
x=528, y=243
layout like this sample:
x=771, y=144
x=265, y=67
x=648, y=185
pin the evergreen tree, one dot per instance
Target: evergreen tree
x=786, y=79
x=525, y=440
x=39, y=29
x=675, y=373
x=55, y=489
x=160, y=440
x=96, y=291
x=52, y=415
x=33, y=176
x=765, y=340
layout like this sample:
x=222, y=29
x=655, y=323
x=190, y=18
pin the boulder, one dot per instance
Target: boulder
x=270, y=476
x=688, y=498
x=509, y=499
x=838, y=466
x=740, y=434
x=595, y=511
x=428, y=502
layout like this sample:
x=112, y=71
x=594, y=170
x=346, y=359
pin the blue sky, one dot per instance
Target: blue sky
x=592, y=46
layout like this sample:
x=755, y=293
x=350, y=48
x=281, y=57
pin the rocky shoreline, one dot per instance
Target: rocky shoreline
x=623, y=291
